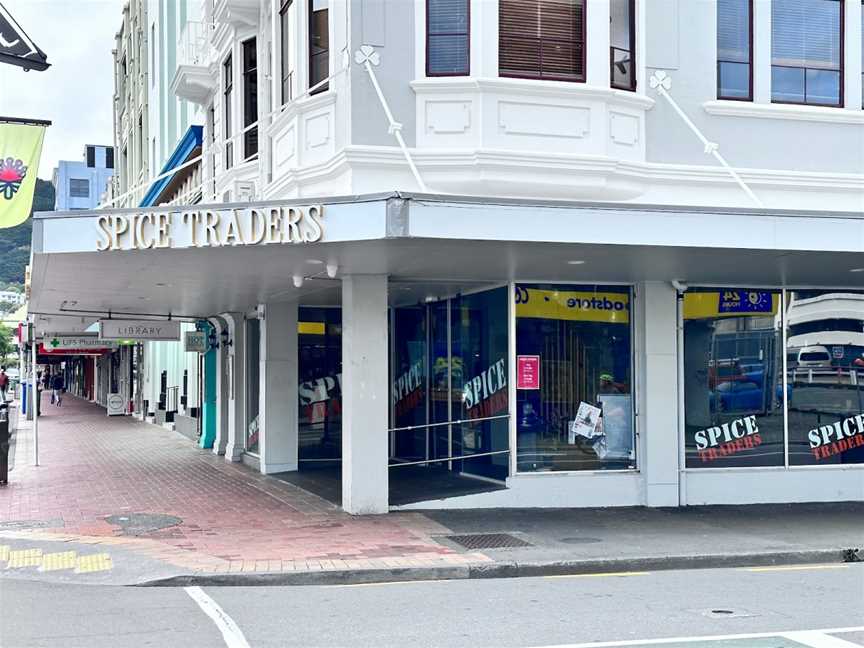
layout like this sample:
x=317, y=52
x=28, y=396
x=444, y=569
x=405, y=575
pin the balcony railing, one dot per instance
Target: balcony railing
x=193, y=46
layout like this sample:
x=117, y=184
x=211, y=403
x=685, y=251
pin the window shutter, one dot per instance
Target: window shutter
x=447, y=37
x=542, y=39
x=806, y=33
x=733, y=31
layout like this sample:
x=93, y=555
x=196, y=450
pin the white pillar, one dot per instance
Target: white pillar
x=762, y=51
x=365, y=394
x=658, y=317
x=222, y=390
x=236, y=357
x=278, y=408
x=597, y=68
x=852, y=64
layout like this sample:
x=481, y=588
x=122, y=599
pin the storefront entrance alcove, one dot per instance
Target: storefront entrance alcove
x=449, y=406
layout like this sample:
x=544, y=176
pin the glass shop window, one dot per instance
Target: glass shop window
x=824, y=376
x=320, y=388
x=253, y=385
x=574, y=359
x=733, y=361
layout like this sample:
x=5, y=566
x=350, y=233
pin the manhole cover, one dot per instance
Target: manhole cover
x=142, y=523
x=487, y=541
x=580, y=540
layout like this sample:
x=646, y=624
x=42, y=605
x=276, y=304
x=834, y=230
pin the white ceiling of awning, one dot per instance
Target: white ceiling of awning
x=206, y=281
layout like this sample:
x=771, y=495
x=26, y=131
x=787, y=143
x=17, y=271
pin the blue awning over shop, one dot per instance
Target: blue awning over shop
x=190, y=141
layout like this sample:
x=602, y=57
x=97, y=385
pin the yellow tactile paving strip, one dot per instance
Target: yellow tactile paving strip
x=23, y=558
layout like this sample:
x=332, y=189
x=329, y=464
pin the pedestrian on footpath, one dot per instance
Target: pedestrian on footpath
x=4, y=384
x=58, y=386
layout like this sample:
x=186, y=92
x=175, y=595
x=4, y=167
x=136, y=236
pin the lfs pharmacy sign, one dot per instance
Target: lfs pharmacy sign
x=151, y=330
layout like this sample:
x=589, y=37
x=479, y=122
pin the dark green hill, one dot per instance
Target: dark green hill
x=15, y=241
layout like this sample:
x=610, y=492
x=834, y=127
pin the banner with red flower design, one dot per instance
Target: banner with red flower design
x=20, y=150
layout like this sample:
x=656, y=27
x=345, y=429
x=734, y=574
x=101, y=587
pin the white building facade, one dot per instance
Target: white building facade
x=535, y=253
x=79, y=185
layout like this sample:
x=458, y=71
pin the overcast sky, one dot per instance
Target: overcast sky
x=76, y=91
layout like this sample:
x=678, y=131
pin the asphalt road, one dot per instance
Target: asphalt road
x=509, y=612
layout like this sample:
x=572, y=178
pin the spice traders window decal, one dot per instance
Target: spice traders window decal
x=743, y=389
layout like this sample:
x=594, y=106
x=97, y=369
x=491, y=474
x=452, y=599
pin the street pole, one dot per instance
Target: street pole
x=35, y=400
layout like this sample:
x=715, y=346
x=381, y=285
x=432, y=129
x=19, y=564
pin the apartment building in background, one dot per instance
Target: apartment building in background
x=483, y=253
x=80, y=184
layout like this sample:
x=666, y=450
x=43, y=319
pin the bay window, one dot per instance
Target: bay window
x=447, y=37
x=735, y=50
x=807, y=52
x=319, y=44
x=622, y=40
x=542, y=39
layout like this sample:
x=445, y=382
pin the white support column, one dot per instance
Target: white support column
x=236, y=357
x=597, y=40
x=278, y=408
x=658, y=403
x=222, y=390
x=762, y=51
x=852, y=55
x=365, y=394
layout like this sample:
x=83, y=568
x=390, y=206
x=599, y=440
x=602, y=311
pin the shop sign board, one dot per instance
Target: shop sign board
x=210, y=228
x=195, y=342
x=116, y=406
x=712, y=304
x=78, y=342
x=118, y=329
x=528, y=372
x=573, y=305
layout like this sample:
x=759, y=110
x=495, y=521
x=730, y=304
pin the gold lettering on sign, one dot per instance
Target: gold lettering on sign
x=104, y=241
x=211, y=229
x=148, y=230
x=274, y=226
x=233, y=234
x=257, y=227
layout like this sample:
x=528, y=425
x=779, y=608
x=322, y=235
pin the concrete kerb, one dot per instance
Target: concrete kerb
x=511, y=569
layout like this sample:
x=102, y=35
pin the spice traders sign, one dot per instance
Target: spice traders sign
x=210, y=228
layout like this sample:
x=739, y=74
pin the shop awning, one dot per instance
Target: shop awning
x=188, y=147
x=16, y=47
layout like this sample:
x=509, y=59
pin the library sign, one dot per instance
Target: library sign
x=210, y=228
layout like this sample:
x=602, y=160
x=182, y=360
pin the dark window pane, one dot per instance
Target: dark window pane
x=319, y=43
x=787, y=84
x=250, y=142
x=448, y=55
x=621, y=51
x=285, y=31
x=109, y=157
x=91, y=156
x=734, y=80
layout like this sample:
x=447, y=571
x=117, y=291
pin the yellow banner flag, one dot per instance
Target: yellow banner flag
x=20, y=150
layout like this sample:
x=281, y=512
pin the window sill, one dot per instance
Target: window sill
x=727, y=108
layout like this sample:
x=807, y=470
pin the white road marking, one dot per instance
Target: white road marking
x=231, y=632
x=794, y=568
x=756, y=635
x=819, y=640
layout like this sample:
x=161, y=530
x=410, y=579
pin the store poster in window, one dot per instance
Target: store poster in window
x=733, y=404
x=825, y=376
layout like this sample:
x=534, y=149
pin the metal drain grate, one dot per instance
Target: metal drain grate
x=487, y=541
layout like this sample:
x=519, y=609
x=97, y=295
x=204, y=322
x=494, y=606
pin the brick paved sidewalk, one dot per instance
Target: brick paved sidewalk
x=231, y=517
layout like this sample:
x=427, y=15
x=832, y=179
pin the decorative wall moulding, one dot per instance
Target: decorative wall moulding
x=784, y=111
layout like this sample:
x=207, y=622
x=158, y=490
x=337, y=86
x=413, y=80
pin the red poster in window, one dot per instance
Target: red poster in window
x=528, y=372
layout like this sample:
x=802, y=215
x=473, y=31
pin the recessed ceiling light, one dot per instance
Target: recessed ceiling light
x=576, y=262
x=163, y=285
x=857, y=270
x=315, y=261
